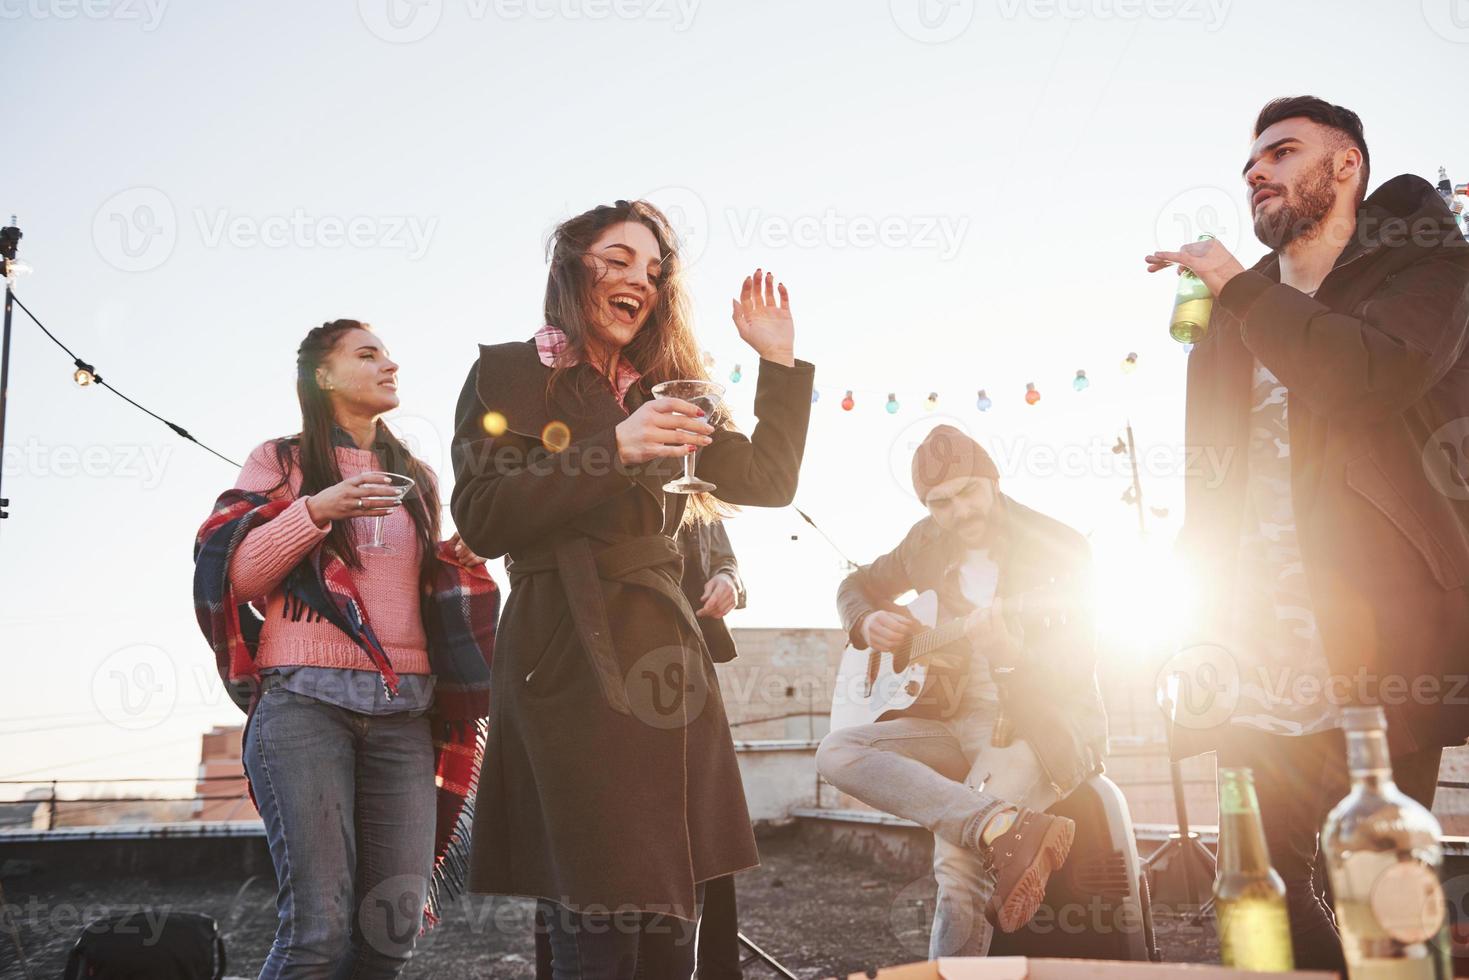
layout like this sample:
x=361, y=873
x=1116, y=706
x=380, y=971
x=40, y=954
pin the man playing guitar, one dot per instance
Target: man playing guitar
x=1021, y=581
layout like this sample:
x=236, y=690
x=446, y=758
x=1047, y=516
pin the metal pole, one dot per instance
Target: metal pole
x=1137, y=486
x=9, y=239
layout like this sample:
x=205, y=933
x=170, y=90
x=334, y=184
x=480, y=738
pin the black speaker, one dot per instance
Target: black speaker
x=1097, y=906
x=153, y=944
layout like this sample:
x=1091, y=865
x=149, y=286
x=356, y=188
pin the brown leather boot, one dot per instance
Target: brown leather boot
x=1024, y=857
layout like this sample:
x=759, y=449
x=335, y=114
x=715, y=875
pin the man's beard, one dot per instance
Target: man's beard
x=985, y=536
x=1302, y=209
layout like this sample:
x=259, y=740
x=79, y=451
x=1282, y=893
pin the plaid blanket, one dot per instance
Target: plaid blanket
x=459, y=614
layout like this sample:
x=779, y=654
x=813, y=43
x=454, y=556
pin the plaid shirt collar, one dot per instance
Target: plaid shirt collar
x=551, y=343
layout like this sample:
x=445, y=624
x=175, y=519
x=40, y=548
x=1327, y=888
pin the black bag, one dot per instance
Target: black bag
x=148, y=945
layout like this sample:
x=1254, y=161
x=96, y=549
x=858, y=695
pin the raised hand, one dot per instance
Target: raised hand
x=764, y=323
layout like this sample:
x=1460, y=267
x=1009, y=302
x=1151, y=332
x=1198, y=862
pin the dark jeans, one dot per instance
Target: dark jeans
x=621, y=946
x=348, y=804
x=1298, y=779
x=719, y=932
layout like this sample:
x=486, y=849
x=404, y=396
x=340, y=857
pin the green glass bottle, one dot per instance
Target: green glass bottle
x=1385, y=859
x=1193, y=304
x=1249, y=896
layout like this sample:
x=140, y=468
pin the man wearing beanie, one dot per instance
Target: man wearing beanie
x=989, y=559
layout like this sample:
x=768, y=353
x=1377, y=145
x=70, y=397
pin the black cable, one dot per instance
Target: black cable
x=807, y=518
x=180, y=430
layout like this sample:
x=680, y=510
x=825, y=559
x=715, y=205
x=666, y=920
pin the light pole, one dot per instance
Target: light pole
x=9, y=240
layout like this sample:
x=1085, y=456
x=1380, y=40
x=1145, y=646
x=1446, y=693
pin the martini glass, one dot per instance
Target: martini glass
x=708, y=396
x=391, y=486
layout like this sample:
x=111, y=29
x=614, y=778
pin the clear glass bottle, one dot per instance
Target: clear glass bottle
x=1193, y=305
x=1385, y=859
x=1249, y=896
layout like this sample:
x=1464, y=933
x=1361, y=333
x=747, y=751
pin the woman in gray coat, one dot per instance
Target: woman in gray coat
x=610, y=789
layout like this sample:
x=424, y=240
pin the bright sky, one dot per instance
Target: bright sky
x=958, y=195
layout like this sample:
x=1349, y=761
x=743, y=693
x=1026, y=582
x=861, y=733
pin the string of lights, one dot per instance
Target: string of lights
x=86, y=375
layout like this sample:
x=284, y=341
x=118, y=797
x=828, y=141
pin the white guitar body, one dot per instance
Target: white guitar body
x=867, y=686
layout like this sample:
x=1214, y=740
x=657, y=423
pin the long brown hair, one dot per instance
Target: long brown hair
x=318, y=457
x=664, y=349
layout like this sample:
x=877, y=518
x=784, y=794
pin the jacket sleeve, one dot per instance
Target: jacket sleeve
x=762, y=470
x=722, y=560
x=1358, y=369
x=260, y=562
x=509, y=490
x=875, y=586
x=1065, y=615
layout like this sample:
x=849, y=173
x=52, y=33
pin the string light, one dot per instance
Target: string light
x=892, y=405
x=734, y=376
x=983, y=402
x=848, y=402
x=1031, y=395
x=1081, y=383
x=86, y=375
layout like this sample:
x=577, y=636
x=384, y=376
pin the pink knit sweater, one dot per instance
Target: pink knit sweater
x=388, y=584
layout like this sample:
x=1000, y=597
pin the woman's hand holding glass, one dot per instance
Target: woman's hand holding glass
x=363, y=495
x=662, y=427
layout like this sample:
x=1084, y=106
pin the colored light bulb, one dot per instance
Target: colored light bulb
x=1031, y=395
x=1129, y=364
x=892, y=405
x=848, y=402
x=734, y=376
x=983, y=402
x=932, y=402
x=1082, y=382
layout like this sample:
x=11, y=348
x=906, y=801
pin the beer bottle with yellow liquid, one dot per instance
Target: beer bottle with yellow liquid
x=1192, y=306
x=1249, y=896
x=1385, y=859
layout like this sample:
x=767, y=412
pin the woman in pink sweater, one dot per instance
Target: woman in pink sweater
x=342, y=769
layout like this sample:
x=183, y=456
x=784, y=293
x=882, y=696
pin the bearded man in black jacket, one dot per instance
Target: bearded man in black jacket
x=1333, y=549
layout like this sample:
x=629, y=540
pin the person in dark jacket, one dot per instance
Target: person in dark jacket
x=613, y=790
x=939, y=763
x=713, y=588
x=1332, y=544
x=712, y=584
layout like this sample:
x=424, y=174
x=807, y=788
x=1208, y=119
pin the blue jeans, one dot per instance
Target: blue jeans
x=348, y=803
x=620, y=946
x=947, y=777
